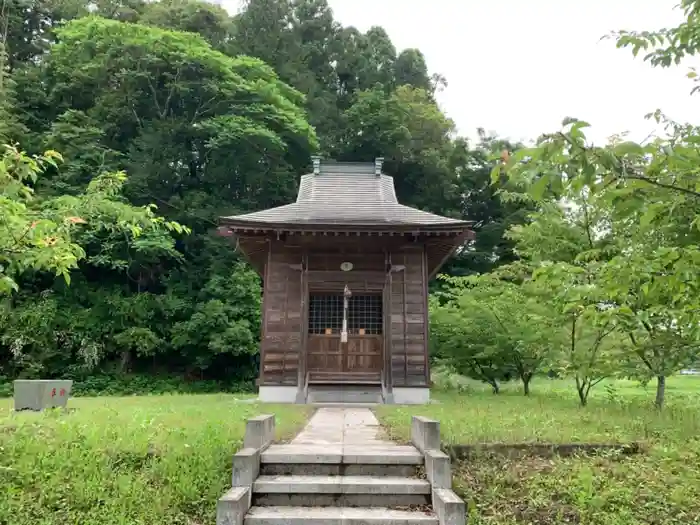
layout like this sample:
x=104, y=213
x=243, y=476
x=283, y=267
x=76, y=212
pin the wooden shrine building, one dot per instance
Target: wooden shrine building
x=345, y=271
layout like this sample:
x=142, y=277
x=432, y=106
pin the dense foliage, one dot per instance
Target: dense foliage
x=208, y=114
x=584, y=263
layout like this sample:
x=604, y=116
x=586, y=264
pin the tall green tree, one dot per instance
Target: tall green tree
x=486, y=204
x=565, y=246
x=166, y=99
x=407, y=128
x=650, y=192
x=411, y=69
x=200, y=133
x=210, y=21
x=491, y=329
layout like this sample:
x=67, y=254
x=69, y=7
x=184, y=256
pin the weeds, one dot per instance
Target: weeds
x=659, y=486
x=135, y=460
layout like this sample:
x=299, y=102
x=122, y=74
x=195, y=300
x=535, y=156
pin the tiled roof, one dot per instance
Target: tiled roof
x=346, y=194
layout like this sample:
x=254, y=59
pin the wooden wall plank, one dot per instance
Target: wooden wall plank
x=281, y=345
x=408, y=318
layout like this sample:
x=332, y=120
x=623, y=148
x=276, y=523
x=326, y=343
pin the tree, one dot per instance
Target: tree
x=411, y=69
x=589, y=352
x=264, y=29
x=318, y=45
x=24, y=25
x=408, y=129
x=225, y=319
x=41, y=234
x=481, y=201
x=497, y=328
x=650, y=192
x=565, y=247
x=31, y=238
x=170, y=110
x=661, y=323
x=668, y=46
x=10, y=127
x=467, y=342
x=208, y=20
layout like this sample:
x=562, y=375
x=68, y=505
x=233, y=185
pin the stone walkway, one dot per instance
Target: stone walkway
x=341, y=426
x=342, y=435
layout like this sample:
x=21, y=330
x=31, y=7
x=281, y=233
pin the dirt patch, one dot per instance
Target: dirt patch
x=384, y=434
x=498, y=489
x=542, y=450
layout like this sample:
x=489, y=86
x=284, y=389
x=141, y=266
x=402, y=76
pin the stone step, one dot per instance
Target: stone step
x=337, y=516
x=345, y=394
x=340, y=485
x=342, y=454
x=344, y=491
x=328, y=469
x=341, y=500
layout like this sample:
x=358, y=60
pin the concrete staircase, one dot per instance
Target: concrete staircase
x=300, y=485
x=354, y=479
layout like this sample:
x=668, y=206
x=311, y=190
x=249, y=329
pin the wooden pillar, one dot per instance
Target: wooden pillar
x=301, y=380
x=387, y=372
x=263, y=320
x=426, y=315
x=404, y=317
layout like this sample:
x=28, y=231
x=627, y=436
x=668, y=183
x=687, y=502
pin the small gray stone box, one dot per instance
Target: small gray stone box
x=438, y=469
x=259, y=432
x=425, y=433
x=246, y=467
x=449, y=507
x=232, y=506
x=38, y=394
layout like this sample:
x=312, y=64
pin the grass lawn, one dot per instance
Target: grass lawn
x=132, y=460
x=660, y=486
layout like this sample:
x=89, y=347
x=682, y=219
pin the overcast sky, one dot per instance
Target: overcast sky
x=519, y=67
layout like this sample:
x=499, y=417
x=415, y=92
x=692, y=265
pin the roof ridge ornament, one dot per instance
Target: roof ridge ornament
x=378, y=164
x=317, y=164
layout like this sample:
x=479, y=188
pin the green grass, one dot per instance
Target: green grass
x=619, y=413
x=166, y=459
x=132, y=460
x=660, y=486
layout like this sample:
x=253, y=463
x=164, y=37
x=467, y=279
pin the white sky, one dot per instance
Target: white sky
x=519, y=67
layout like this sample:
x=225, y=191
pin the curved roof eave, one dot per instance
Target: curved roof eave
x=237, y=223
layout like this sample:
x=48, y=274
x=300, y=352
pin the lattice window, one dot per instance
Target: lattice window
x=365, y=314
x=325, y=313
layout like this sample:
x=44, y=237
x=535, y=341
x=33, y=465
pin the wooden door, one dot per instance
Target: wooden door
x=325, y=353
x=360, y=359
x=363, y=353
